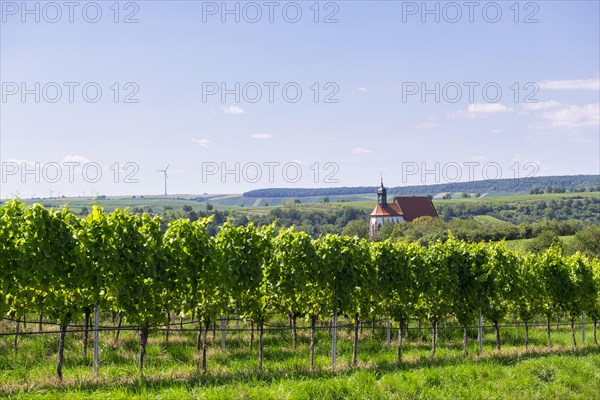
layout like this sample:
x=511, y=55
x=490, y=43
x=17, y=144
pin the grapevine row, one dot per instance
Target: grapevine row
x=56, y=264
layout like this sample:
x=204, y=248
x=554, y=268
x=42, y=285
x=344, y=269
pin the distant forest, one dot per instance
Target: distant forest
x=522, y=185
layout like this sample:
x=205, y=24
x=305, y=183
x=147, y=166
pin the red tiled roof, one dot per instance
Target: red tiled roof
x=388, y=210
x=415, y=206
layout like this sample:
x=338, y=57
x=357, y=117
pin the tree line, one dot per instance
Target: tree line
x=56, y=264
x=426, y=230
x=509, y=185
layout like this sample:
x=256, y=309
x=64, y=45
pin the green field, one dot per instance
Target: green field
x=171, y=368
x=488, y=220
x=367, y=201
x=156, y=203
x=520, y=245
x=238, y=202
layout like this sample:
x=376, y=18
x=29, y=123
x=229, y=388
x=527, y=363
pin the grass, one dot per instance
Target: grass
x=520, y=245
x=156, y=203
x=172, y=371
x=368, y=201
x=488, y=220
x=237, y=202
x=522, y=197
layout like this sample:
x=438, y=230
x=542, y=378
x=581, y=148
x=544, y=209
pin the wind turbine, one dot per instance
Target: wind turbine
x=164, y=171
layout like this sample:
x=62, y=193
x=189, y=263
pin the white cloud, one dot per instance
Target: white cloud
x=573, y=116
x=232, y=110
x=487, y=108
x=528, y=166
x=327, y=137
x=261, y=136
x=360, y=150
x=571, y=84
x=27, y=163
x=542, y=105
x=426, y=125
x=580, y=140
x=76, y=159
x=74, y=162
x=497, y=131
x=202, y=142
x=359, y=90
x=481, y=110
x=77, y=162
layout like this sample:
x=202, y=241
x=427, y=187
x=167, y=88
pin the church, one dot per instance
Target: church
x=403, y=208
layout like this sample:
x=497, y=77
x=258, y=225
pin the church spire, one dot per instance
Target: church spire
x=382, y=194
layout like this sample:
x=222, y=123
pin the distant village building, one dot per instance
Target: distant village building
x=404, y=208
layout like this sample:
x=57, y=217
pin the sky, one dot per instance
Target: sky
x=234, y=96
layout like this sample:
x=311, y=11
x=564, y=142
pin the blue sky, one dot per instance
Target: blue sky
x=370, y=63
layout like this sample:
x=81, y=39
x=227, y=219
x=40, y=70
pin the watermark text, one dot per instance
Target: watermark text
x=269, y=172
x=53, y=12
x=453, y=172
x=69, y=92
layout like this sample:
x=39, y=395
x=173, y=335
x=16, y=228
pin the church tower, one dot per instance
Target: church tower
x=382, y=194
x=383, y=212
x=402, y=209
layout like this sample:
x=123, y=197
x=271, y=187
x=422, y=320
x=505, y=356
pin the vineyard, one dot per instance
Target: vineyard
x=60, y=268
